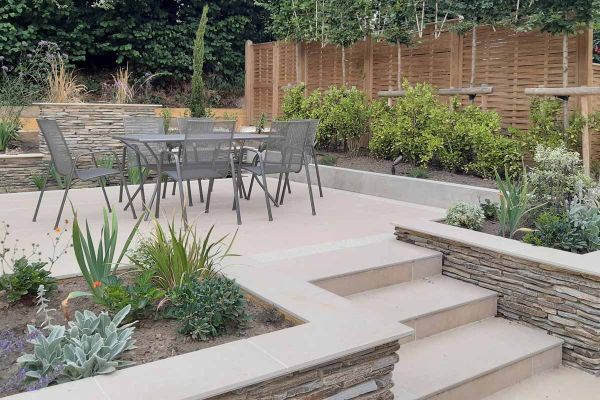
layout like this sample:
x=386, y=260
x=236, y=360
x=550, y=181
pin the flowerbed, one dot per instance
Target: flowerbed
x=155, y=338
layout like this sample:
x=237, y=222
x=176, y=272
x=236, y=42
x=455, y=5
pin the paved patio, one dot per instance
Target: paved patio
x=343, y=219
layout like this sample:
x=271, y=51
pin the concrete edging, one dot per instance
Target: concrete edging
x=413, y=190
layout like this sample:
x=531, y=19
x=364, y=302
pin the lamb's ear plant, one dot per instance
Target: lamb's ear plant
x=515, y=200
x=98, y=263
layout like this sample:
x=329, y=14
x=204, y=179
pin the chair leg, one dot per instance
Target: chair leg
x=182, y=201
x=286, y=182
x=124, y=155
x=129, y=198
x=201, y=191
x=166, y=181
x=101, y=181
x=210, y=188
x=314, y=157
x=249, y=192
x=310, y=193
x=39, y=202
x=266, y=190
x=174, y=185
x=158, y=183
x=236, y=200
x=278, y=188
x=62, y=204
x=189, y=190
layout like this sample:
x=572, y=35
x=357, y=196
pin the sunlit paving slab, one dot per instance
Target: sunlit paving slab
x=556, y=384
x=341, y=216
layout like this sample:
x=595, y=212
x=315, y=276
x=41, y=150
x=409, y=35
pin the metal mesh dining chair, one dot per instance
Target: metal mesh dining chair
x=311, y=141
x=141, y=158
x=66, y=166
x=203, y=158
x=283, y=153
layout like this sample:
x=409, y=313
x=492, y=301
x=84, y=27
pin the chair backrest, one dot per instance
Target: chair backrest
x=143, y=125
x=286, y=144
x=213, y=154
x=183, y=122
x=146, y=126
x=311, y=137
x=57, y=145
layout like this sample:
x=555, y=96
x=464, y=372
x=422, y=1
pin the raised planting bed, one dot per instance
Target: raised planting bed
x=156, y=337
x=549, y=289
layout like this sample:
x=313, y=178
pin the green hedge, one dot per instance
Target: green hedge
x=150, y=35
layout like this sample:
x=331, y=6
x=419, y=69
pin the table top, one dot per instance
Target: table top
x=178, y=137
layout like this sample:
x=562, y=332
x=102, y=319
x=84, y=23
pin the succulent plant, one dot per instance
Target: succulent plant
x=90, y=345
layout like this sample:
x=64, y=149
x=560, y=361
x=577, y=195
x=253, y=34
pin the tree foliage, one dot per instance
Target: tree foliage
x=149, y=35
x=197, y=103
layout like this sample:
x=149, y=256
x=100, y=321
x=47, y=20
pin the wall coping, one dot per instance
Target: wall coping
x=321, y=339
x=588, y=264
x=403, y=188
x=21, y=155
x=115, y=105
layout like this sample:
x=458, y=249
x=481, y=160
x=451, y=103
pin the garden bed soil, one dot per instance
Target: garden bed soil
x=367, y=163
x=156, y=339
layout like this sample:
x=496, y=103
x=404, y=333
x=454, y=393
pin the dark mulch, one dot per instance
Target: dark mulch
x=367, y=163
x=155, y=338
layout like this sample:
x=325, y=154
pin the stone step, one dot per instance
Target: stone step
x=353, y=267
x=432, y=304
x=473, y=361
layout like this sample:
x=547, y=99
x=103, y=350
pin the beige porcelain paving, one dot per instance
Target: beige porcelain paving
x=341, y=216
x=422, y=297
x=445, y=361
x=87, y=389
x=557, y=384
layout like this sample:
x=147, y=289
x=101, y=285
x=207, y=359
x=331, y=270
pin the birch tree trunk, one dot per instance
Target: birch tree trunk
x=343, y=66
x=565, y=65
x=473, y=55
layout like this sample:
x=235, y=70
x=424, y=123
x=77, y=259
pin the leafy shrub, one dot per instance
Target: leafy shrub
x=425, y=131
x=25, y=279
x=557, y=178
x=9, y=131
x=465, y=215
x=176, y=256
x=209, y=307
x=141, y=295
x=577, y=230
x=90, y=345
x=490, y=210
x=412, y=128
x=343, y=114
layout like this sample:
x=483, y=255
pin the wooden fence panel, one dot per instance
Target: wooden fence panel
x=509, y=61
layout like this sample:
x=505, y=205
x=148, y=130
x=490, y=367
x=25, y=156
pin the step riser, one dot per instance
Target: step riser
x=362, y=281
x=449, y=319
x=491, y=383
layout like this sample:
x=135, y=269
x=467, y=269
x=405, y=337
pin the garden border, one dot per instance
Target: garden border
x=549, y=289
x=413, y=190
x=315, y=357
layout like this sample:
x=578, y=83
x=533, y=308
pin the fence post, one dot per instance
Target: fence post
x=249, y=82
x=368, y=67
x=300, y=61
x=585, y=78
x=275, y=106
x=456, y=59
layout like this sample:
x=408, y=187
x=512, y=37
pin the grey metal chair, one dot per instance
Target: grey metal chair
x=311, y=141
x=65, y=165
x=283, y=153
x=205, y=159
x=140, y=157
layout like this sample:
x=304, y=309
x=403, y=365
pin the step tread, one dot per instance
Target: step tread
x=446, y=360
x=331, y=261
x=422, y=297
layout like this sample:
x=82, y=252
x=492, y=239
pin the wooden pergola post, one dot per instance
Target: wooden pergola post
x=275, y=75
